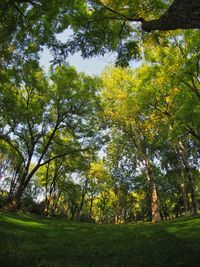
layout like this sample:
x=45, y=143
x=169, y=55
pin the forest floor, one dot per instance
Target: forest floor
x=31, y=241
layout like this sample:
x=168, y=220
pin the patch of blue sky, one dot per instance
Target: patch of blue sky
x=91, y=66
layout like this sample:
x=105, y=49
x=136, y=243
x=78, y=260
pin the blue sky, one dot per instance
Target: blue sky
x=89, y=66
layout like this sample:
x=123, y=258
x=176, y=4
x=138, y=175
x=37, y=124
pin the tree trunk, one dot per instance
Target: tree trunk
x=13, y=183
x=155, y=213
x=91, y=205
x=73, y=210
x=184, y=158
x=14, y=202
x=184, y=195
x=79, y=209
x=55, y=204
x=182, y=14
x=47, y=204
x=192, y=192
x=117, y=214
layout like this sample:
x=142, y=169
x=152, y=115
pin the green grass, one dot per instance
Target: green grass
x=27, y=241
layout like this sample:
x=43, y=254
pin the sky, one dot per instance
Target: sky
x=91, y=66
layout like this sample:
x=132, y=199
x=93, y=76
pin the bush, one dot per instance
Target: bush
x=29, y=205
x=86, y=218
x=3, y=201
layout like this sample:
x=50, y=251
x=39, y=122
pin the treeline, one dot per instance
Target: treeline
x=117, y=148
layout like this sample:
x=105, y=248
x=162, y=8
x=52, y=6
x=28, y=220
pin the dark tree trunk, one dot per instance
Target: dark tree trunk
x=14, y=202
x=13, y=183
x=55, y=204
x=182, y=14
x=73, y=211
x=91, y=205
x=79, y=209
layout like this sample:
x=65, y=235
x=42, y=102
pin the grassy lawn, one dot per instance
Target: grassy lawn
x=28, y=241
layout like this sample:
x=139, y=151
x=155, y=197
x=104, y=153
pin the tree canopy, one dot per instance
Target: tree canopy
x=99, y=26
x=112, y=149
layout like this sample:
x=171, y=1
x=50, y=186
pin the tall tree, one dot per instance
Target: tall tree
x=123, y=111
x=171, y=86
x=41, y=116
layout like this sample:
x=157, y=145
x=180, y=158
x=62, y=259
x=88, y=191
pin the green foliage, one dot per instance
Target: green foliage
x=45, y=120
x=99, y=27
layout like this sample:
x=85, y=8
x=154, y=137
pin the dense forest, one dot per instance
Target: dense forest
x=121, y=147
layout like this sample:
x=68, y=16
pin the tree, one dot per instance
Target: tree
x=123, y=111
x=157, y=104
x=172, y=93
x=49, y=177
x=41, y=116
x=122, y=165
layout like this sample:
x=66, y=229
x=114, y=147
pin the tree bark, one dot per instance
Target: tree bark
x=182, y=14
x=155, y=212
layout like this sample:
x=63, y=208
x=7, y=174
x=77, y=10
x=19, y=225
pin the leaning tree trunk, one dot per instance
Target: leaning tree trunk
x=55, y=203
x=155, y=212
x=182, y=14
x=14, y=201
x=13, y=183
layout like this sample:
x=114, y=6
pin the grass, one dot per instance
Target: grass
x=30, y=241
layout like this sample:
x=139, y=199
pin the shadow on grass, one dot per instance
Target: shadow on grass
x=32, y=241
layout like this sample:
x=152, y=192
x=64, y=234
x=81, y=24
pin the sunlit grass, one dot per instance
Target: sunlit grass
x=18, y=221
x=34, y=241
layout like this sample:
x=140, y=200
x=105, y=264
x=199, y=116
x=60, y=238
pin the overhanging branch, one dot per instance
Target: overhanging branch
x=182, y=14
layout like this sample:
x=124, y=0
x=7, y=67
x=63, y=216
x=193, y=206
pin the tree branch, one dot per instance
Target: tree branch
x=119, y=14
